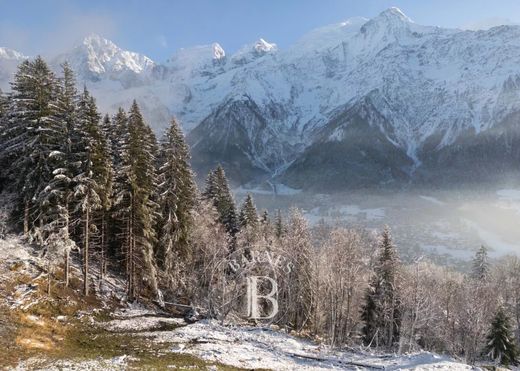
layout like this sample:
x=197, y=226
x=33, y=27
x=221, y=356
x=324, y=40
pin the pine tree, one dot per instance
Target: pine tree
x=58, y=192
x=92, y=183
x=500, y=342
x=264, y=219
x=248, y=216
x=177, y=199
x=117, y=136
x=134, y=205
x=107, y=182
x=4, y=164
x=278, y=225
x=480, y=270
x=380, y=313
x=119, y=212
x=217, y=190
x=30, y=138
x=3, y=104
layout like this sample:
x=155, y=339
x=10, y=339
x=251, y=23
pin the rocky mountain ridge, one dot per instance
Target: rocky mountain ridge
x=366, y=102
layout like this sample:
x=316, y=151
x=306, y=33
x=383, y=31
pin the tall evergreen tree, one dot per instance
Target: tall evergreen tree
x=500, y=342
x=177, y=199
x=217, y=190
x=264, y=219
x=92, y=183
x=31, y=137
x=118, y=136
x=3, y=104
x=58, y=192
x=134, y=205
x=380, y=313
x=4, y=164
x=248, y=216
x=480, y=270
x=278, y=225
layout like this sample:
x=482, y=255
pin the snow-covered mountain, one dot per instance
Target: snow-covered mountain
x=362, y=102
x=9, y=60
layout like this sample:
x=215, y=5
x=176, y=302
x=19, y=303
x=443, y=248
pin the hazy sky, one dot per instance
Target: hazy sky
x=158, y=28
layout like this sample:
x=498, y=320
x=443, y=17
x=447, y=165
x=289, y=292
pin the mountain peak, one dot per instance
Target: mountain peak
x=6, y=53
x=394, y=13
x=96, y=56
x=262, y=46
x=95, y=40
x=218, y=51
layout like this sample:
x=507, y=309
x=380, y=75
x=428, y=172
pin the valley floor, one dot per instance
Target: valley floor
x=69, y=332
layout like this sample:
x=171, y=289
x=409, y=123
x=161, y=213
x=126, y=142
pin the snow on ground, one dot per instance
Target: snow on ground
x=255, y=347
x=143, y=323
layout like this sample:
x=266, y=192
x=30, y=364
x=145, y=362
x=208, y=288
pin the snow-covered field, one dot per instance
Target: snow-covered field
x=256, y=347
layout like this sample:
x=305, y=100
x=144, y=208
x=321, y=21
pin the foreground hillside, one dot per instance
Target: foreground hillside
x=66, y=331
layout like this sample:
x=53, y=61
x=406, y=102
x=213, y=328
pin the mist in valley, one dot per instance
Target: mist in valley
x=447, y=226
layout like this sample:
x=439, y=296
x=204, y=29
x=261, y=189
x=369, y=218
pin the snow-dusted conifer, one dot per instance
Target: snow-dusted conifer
x=31, y=137
x=177, y=200
x=134, y=207
x=500, y=342
x=480, y=270
x=381, y=314
x=217, y=190
x=93, y=177
x=59, y=190
x=248, y=216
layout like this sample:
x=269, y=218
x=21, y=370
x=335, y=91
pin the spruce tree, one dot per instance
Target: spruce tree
x=480, y=271
x=381, y=313
x=4, y=164
x=264, y=219
x=93, y=182
x=177, y=200
x=31, y=139
x=500, y=342
x=134, y=205
x=119, y=212
x=217, y=190
x=278, y=225
x=248, y=216
x=118, y=136
x=3, y=104
x=58, y=192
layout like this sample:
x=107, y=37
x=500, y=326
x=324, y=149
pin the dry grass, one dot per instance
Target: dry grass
x=37, y=332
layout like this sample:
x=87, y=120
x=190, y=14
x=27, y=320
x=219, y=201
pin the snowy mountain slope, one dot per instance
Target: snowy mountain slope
x=435, y=89
x=97, y=58
x=9, y=60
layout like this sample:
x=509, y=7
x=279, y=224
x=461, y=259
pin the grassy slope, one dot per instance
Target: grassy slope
x=46, y=331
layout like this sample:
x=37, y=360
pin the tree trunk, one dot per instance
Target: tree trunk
x=26, y=219
x=102, y=257
x=49, y=276
x=85, y=251
x=131, y=283
x=66, y=268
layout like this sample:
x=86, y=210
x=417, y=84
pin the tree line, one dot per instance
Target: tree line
x=105, y=191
